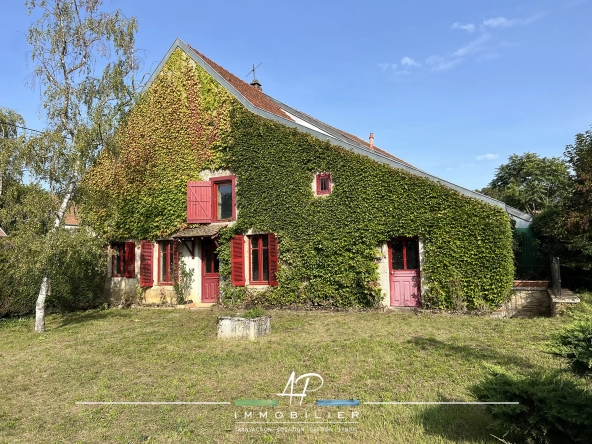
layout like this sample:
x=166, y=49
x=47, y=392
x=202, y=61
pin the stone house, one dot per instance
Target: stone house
x=286, y=201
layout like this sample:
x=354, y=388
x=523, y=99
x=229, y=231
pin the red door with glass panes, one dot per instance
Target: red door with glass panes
x=210, y=272
x=404, y=271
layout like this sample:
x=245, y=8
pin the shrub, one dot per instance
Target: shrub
x=550, y=409
x=254, y=313
x=574, y=343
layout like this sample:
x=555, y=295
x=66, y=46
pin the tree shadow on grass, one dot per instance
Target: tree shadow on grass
x=485, y=354
x=81, y=317
x=459, y=423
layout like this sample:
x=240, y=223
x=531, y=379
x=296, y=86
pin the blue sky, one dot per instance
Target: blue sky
x=453, y=88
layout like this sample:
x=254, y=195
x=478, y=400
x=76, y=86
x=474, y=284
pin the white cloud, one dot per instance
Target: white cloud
x=487, y=157
x=468, y=27
x=499, y=22
x=502, y=22
x=473, y=46
x=445, y=65
x=408, y=61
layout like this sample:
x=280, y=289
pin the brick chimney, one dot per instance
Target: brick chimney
x=371, y=141
x=256, y=84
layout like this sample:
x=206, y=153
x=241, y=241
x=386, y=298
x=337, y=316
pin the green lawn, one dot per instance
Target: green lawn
x=173, y=355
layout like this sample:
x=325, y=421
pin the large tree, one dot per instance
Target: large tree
x=11, y=143
x=530, y=183
x=85, y=64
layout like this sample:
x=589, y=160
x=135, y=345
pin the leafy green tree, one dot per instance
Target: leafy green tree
x=530, y=183
x=11, y=143
x=70, y=42
x=579, y=206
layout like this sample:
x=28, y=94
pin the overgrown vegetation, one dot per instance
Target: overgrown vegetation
x=553, y=406
x=551, y=409
x=187, y=122
x=574, y=344
x=75, y=259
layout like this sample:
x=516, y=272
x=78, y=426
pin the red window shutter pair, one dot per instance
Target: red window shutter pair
x=130, y=259
x=199, y=202
x=237, y=260
x=146, y=255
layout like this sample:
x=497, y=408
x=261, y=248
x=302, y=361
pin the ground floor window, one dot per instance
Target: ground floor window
x=168, y=261
x=260, y=259
x=123, y=260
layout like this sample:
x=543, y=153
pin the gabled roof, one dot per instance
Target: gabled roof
x=2, y=233
x=262, y=104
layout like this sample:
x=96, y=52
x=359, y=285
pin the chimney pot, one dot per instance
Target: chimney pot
x=256, y=84
x=371, y=141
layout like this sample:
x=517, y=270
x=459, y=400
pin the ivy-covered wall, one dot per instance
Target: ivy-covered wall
x=187, y=122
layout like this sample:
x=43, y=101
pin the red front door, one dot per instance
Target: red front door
x=210, y=272
x=404, y=271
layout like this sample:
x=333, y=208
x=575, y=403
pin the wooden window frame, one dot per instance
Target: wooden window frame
x=260, y=259
x=319, y=179
x=120, y=248
x=126, y=256
x=216, y=181
x=272, y=259
x=169, y=253
x=405, y=240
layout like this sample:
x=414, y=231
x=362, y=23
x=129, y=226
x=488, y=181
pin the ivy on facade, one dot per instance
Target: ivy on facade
x=186, y=122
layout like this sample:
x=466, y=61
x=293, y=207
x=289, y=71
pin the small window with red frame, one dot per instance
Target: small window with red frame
x=323, y=184
x=223, y=199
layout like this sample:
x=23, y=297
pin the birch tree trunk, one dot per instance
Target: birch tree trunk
x=46, y=281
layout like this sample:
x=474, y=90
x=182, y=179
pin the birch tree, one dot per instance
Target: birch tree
x=11, y=140
x=85, y=66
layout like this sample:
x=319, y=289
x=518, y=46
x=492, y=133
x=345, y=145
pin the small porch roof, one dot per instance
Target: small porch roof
x=201, y=231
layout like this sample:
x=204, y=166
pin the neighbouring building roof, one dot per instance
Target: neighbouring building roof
x=261, y=104
x=71, y=217
x=2, y=233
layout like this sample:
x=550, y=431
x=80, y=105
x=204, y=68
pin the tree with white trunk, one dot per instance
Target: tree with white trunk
x=85, y=64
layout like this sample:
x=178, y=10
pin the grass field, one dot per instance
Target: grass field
x=173, y=355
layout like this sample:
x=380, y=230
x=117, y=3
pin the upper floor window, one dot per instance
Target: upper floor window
x=224, y=200
x=323, y=184
x=212, y=200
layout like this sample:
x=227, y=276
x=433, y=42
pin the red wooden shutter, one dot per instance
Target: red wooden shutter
x=199, y=202
x=237, y=260
x=273, y=260
x=175, y=270
x=146, y=255
x=130, y=259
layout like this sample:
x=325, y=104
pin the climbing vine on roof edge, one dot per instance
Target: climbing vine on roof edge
x=187, y=122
